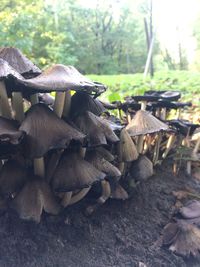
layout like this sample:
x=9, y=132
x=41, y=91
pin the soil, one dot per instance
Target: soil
x=119, y=234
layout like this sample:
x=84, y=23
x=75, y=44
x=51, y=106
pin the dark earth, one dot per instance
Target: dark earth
x=119, y=234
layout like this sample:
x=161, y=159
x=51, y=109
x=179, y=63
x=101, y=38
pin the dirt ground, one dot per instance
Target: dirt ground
x=119, y=234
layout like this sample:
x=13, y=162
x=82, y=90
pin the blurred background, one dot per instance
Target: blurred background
x=110, y=37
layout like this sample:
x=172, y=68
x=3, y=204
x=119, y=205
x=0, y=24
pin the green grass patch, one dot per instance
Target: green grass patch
x=123, y=85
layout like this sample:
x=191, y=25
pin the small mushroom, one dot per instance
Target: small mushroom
x=12, y=178
x=44, y=131
x=35, y=197
x=97, y=130
x=74, y=173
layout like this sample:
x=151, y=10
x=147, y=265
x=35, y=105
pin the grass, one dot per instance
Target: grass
x=123, y=85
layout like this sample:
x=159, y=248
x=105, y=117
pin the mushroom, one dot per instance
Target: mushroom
x=35, y=197
x=44, y=131
x=10, y=137
x=183, y=238
x=26, y=68
x=74, y=173
x=12, y=178
x=144, y=123
x=97, y=130
x=7, y=77
x=81, y=102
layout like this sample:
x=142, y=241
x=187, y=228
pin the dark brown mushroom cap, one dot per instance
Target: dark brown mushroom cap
x=73, y=173
x=145, y=123
x=187, y=241
x=18, y=61
x=9, y=132
x=12, y=178
x=81, y=102
x=35, y=196
x=45, y=130
x=7, y=71
x=191, y=210
x=98, y=130
x=101, y=164
x=61, y=78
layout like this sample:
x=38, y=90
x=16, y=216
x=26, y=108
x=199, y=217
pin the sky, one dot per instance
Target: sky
x=173, y=20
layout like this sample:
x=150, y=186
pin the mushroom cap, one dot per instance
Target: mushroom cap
x=81, y=102
x=73, y=173
x=191, y=210
x=145, y=123
x=170, y=233
x=12, y=177
x=119, y=192
x=187, y=241
x=7, y=71
x=105, y=154
x=18, y=61
x=102, y=164
x=98, y=130
x=61, y=78
x=127, y=150
x=141, y=169
x=45, y=131
x=35, y=196
x=9, y=132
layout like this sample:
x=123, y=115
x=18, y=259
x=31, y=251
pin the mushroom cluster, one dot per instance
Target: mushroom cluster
x=54, y=150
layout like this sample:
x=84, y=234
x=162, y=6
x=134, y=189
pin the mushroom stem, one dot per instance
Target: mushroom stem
x=163, y=114
x=82, y=152
x=59, y=103
x=128, y=116
x=175, y=168
x=81, y=194
x=66, y=199
x=39, y=168
x=4, y=102
x=140, y=143
x=157, y=113
x=189, y=163
x=178, y=113
x=34, y=99
x=106, y=192
x=196, y=148
x=17, y=103
x=169, y=145
x=121, y=167
x=143, y=105
x=157, y=148
x=67, y=103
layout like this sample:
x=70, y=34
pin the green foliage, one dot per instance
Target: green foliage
x=120, y=86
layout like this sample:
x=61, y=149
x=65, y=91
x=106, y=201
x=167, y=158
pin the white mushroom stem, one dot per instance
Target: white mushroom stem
x=169, y=145
x=128, y=116
x=121, y=167
x=39, y=168
x=157, y=148
x=163, y=114
x=66, y=199
x=143, y=105
x=189, y=163
x=18, y=106
x=82, y=152
x=175, y=168
x=196, y=148
x=178, y=113
x=59, y=103
x=4, y=102
x=140, y=142
x=67, y=103
x=158, y=113
x=106, y=193
x=80, y=195
x=34, y=99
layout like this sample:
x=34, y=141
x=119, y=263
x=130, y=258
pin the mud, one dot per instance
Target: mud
x=119, y=234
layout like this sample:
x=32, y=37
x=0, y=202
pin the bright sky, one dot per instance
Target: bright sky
x=173, y=21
